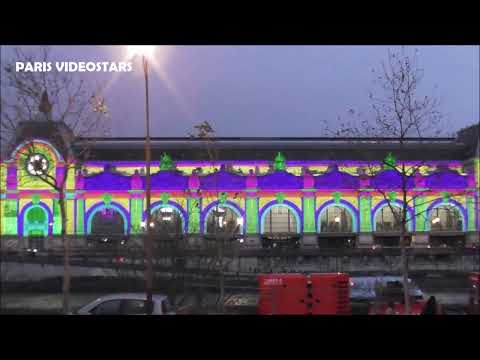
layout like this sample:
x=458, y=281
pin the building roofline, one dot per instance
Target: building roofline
x=418, y=139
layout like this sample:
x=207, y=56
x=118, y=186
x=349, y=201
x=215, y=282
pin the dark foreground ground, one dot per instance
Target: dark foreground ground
x=45, y=298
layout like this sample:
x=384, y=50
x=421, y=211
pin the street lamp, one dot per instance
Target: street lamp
x=146, y=52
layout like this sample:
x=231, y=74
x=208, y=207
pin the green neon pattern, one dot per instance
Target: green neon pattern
x=222, y=198
x=3, y=177
x=420, y=212
x=166, y=162
x=390, y=161
x=35, y=199
x=136, y=210
x=392, y=196
x=471, y=213
x=9, y=217
x=57, y=218
x=252, y=215
x=476, y=165
x=445, y=196
x=35, y=222
x=193, y=216
x=279, y=162
x=165, y=196
x=69, y=195
x=80, y=216
x=337, y=197
x=309, y=214
x=365, y=213
x=107, y=199
x=280, y=196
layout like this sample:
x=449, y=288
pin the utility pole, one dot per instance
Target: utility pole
x=148, y=243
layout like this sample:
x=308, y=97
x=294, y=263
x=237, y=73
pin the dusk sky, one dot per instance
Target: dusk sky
x=268, y=90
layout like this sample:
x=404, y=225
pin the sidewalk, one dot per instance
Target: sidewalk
x=448, y=298
x=50, y=303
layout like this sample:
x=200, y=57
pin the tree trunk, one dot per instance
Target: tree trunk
x=404, y=255
x=66, y=256
x=404, y=259
x=222, y=275
x=174, y=282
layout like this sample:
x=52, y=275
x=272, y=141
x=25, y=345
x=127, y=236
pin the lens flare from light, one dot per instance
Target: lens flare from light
x=158, y=58
x=141, y=50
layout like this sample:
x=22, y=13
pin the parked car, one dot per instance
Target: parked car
x=126, y=304
x=363, y=288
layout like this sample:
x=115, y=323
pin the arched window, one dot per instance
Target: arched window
x=223, y=220
x=107, y=221
x=35, y=222
x=280, y=219
x=388, y=221
x=336, y=219
x=166, y=220
x=445, y=218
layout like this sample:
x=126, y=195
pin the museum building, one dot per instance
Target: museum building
x=302, y=192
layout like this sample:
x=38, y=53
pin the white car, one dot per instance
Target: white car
x=363, y=287
x=126, y=304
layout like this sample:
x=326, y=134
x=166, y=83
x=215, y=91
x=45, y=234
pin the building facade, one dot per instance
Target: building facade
x=309, y=192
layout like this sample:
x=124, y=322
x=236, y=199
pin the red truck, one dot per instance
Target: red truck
x=298, y=294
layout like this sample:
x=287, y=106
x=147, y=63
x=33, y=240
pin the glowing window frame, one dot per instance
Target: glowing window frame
x=398, y=204
x=451, y=203
x=22, y=216
x=343, y=204
x=232, y=206
x=99, y=207
x=286, y=204
x=176, y=207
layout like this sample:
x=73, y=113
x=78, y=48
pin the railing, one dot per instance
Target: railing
x=170, y=248
x=281, y=241
x=337, y=240
x=360, y=261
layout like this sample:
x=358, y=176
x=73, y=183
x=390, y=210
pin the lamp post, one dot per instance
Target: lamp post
x=145, y=52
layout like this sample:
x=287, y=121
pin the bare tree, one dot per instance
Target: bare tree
x=224, y=232
x=169, y=234
x=400, y=113
x=68, y=108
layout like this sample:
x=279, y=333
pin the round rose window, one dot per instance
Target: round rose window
x=37, y=164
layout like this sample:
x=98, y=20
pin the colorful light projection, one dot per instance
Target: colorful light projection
x=304, y=192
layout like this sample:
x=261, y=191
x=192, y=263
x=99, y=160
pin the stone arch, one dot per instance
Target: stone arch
x=398, y=204
x=229, y=204
x=100, y=206
x=343, y=204
x=288, y=204
x=25, y=144
x=24, y=226
x=452, y=203
x=176, y=206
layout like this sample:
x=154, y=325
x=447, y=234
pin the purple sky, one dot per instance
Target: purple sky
x=269, y=90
